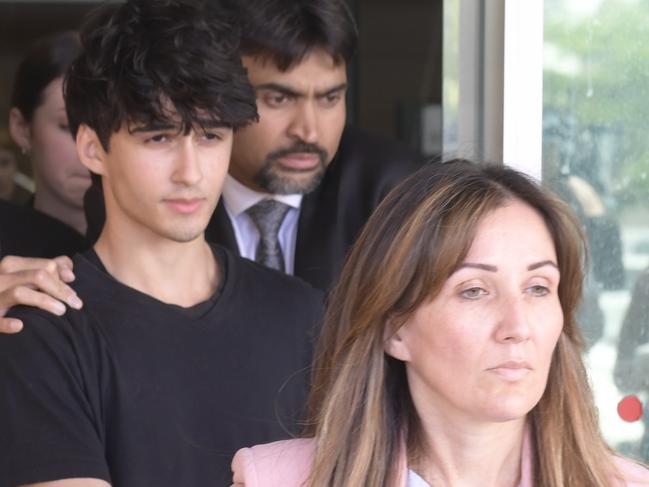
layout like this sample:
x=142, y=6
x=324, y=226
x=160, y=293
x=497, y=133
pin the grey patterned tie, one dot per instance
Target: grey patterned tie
x=268, y=215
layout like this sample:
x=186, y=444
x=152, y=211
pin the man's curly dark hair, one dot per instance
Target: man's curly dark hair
x=146, y=61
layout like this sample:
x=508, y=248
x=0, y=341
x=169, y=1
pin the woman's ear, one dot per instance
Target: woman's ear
x=91, y=152
x=19, y=130
x=395, y=341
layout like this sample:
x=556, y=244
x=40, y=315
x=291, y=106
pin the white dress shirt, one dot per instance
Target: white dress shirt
x=415, y=480
x=237, y=198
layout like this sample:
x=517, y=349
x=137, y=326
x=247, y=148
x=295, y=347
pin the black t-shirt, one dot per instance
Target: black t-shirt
x=142, y=393
x=30, y=233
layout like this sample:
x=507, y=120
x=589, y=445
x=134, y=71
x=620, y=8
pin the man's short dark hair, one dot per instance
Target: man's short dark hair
x=285, y=31
x=146, y=61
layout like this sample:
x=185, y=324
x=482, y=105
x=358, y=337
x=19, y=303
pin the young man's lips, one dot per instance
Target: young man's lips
x=303, y=160
x=185, y=205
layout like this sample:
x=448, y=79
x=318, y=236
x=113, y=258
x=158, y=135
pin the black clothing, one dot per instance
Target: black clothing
x=29, y=233
x=142, y=393
x=365, y=168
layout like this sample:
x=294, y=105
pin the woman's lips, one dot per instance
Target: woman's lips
x=512, y=370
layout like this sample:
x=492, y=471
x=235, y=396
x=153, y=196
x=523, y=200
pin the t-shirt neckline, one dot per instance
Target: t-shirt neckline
x=194, y=312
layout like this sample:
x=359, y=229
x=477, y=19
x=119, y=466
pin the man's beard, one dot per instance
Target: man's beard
x=275, y=181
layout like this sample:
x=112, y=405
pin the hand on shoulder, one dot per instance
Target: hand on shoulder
x=41, y=283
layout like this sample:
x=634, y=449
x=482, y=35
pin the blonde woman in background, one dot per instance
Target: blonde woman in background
x=450, y=355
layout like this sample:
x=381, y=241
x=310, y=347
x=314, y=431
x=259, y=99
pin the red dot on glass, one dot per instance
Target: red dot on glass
x=630, y=409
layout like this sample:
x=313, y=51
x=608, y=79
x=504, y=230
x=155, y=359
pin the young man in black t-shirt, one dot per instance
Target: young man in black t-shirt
x=182, y=352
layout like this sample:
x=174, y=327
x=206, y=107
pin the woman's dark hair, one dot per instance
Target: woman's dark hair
x=46, y=59
x=285, y=31
x=156, y=62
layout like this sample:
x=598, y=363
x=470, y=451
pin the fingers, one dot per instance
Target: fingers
x=10, y=325
x=13, y=263
x=40, y=283
x=45, y=283
x=62, y=265
x=31, y=297
x=37, y=287
x=46, y=275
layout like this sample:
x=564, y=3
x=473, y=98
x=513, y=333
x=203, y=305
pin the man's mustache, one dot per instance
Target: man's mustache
x=299, y=148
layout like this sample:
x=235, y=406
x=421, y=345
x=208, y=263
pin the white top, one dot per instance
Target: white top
x=415, y=480
x=237, y=198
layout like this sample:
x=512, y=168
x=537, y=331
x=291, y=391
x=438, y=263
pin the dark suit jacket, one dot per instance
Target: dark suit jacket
x=365, y=168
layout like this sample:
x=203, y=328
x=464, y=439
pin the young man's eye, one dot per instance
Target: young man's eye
x=212, y=136
x=64, y=126
x=158, y=138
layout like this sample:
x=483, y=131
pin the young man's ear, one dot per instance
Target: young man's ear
x=91, y=152
x=19, y=130
x=394, y=342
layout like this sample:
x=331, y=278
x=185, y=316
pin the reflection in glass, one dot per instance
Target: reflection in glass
x=632, y=365
x=596, y=155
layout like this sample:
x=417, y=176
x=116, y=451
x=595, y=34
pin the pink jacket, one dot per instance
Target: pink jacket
x=288, y=464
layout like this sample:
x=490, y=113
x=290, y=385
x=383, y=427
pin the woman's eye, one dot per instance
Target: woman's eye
x=473, y=293
x=539, y=290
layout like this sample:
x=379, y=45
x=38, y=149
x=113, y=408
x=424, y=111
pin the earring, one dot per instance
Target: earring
x=24, y=151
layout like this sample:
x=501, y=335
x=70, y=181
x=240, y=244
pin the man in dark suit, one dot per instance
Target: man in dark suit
x=325, y=177
x=364, y=169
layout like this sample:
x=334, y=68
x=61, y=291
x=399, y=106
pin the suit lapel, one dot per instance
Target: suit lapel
x=305, y=220
x=219, y=230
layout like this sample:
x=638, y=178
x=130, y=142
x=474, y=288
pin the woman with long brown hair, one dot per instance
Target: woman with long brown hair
x=450, y=353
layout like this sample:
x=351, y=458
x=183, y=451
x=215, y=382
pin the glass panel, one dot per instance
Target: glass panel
x=451, y=75
x=596, y=154
x=397, y=76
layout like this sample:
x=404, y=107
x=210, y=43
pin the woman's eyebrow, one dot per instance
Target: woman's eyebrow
x=493, y=268
x=536, y=265
x=485, y=267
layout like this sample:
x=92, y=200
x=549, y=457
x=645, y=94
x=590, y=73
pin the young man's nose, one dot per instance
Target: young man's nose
x=188, y=170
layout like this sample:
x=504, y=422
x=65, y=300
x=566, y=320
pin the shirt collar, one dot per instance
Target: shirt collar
x=238, y=198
